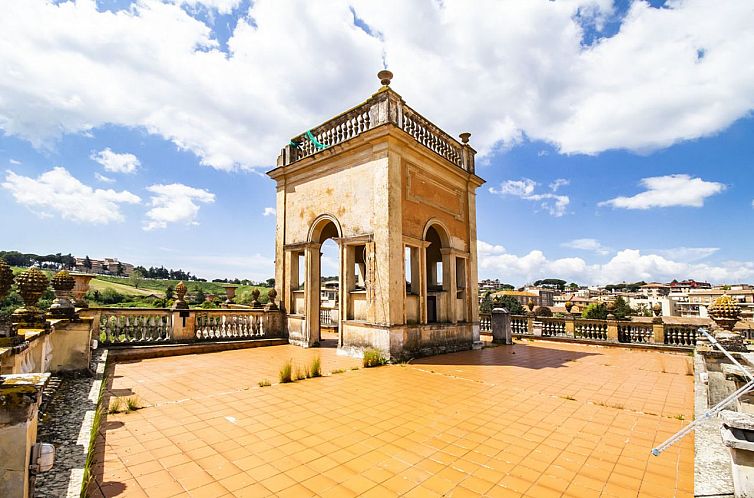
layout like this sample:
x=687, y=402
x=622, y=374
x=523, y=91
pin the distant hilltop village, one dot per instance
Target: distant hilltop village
x=107, y=266
x=686, y=298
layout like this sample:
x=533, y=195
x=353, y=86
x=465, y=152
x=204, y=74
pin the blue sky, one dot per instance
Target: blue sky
x=143, y=131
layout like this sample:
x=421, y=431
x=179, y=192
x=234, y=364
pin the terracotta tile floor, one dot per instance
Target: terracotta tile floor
x=535, y=419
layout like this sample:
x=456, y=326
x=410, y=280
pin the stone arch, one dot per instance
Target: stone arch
x=441, y=230
x=321, y=229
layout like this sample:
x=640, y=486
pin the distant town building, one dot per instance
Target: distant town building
x=107, y=266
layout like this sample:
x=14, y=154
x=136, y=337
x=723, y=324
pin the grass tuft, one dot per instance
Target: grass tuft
x=264, y=383
x=338, y=371
x=132, y=403
x=116, y=405
x=316, y=367
x=373, y=358
x=286, y=372
x=569, y=397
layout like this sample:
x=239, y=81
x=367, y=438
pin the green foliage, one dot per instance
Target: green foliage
x=543, y=311
x=510, y=303
x=316, y=367
x=373, y=358
x=595, y=311
x=199, y=296
x=209, y=305
x=136, y=278
x=169, y=292
x=286, y=372
x=486, y=305
x=551, y=283
x=338, y=371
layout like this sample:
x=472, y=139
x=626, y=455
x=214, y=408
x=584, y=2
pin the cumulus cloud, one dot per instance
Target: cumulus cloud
x=14, y=161
x=626, y=265
x=555, y=204
x=57, y=192
x=115, y=162
x=668, y=191
x=642, y=88
x=175, y=203
x=560, y=182
x=592, y=245
x=269, y=211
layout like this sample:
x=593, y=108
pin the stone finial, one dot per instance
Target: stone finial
x=568, y=306
x=255, y=299
x=530, y=305
x=62, y=307
x=80, y=288
x=657, y=309
x=230, y=293
x=385, y=76
x=725, y=312
x=465, y=136
x=180, y=292
x=272, y=294
x=6, y=278
x=31, y=285
x=610, y=310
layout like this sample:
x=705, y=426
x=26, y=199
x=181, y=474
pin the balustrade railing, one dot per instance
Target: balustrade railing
x=384, y=107
x=637, y=333
x=135, y=326
x=326, y=317
x=680, y=335
x=553, y=327
x=229, y=324
x=485, y=323
x=595, y=330
x=431, y=136
x=520, y=325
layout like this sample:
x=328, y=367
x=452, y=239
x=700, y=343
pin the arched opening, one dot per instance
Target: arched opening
x=325, y=274
x=436, y=273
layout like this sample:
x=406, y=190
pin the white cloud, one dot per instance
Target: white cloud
x=688, y=254
x=14, y=161
x=643, y=88
x=668, y=191
x=524, y=188
x=103, y=178
x=592, y=245
x=560, y=182
x=627, y=265
x=269, y=211
x=58, y=192
x=221, y=6
x=115, y=162
x=175, y=203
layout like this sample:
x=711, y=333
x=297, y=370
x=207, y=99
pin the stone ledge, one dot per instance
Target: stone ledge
x=628, y=345
x=142, y=352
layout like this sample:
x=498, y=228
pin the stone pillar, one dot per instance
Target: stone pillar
x=20, y=396
x=530, y=324
x=658, y=330
x=612, y=330
x=501, y=326
x=71, y=345
x=184, y=325
x=312, y=290
x=570, y=326
x=449, y=284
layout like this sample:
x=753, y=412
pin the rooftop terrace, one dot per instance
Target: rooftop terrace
x=532, y=419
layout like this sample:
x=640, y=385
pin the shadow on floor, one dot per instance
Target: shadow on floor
x=516, y=355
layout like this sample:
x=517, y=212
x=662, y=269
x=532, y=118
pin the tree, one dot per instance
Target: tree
x=510, y=303
x=169, y=292
x=199, y=296
x=573, y=286
x=595, y=311
x=551, y=283
x=543, y=311
x=136, y=278
x=119, y=270
x=486, y=305
x=270, y=282
x=87, y=263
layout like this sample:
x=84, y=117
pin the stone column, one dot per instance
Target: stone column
x=20, y=396
x=449, y=284
x=570, y=326
x=612, y=330
x=312, y=290
x=501, y=326
x=658, y=330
